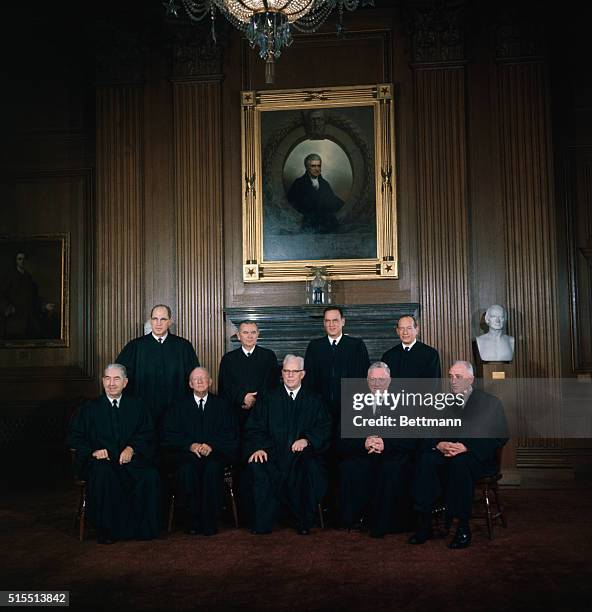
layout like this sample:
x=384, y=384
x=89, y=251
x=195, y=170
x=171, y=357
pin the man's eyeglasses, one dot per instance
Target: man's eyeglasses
x=292, y=371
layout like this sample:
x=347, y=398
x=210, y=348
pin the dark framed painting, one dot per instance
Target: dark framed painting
x=318, y=183
x=34, y=297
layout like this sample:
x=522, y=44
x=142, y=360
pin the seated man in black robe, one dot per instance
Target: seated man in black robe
x=412, y=358
x=114, y=440
x=450, y=467
x=285, y=439
x=374, y=473
x=247, y=372
x=159, y=364
x=202, y=432
x=313, y=196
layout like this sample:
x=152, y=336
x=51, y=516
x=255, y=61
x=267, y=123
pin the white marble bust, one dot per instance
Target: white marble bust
x=495, y=345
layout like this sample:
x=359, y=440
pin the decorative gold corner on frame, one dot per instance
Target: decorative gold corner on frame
x=248, y=98
x=251, y=272
x=384, y=91
x=388, y=267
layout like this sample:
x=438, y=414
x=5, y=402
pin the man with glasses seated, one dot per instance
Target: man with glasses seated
x=374, y=473
x=286, y=438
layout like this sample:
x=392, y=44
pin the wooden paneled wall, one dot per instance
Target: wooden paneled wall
x=198, y=200
x=119, y=227
x=442, y=210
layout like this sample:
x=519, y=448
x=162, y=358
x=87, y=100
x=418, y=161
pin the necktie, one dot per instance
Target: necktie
x=160, y=340
x=291, y=395
x=201, y=405
x=407, y=349
x=248, y=354
x=334, y=345
x=115, y=420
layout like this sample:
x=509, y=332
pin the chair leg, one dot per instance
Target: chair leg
x=487, y=503
x=82, y=514
x=500, y=509
x=321, y=517
x=171, y=513
x=233, y=502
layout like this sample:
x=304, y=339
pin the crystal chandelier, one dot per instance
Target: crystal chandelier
x=268, y=24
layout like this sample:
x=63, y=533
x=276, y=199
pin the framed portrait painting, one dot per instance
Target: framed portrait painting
x=34, y=290
x=319, y=183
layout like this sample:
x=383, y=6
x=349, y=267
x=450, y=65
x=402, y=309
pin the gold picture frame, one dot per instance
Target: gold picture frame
x=34, y=290
x=351, y=227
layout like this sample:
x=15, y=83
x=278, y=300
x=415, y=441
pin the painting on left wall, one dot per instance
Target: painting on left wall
x=34, y=290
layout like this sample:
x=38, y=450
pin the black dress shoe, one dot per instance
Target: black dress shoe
x=462, y=538
x=260, y=531
x=192, y=531
x=421, y=536
x=105, y=538
x=302, y=531
x=376, y=534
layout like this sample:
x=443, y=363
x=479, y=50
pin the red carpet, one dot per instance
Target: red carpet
x=541, y=562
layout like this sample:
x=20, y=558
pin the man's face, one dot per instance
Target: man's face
x=495, y=318
x=160, y=322
x=20, y=261
x=460, y=378
x=113, y=382
x=199, y=381
x=333, y=323
x=378, y=380
x=292, y=375
x=313, y=167
x=407, y=330
x=248, y=334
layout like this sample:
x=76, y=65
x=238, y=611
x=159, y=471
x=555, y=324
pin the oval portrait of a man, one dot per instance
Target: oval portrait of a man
x=318, y=180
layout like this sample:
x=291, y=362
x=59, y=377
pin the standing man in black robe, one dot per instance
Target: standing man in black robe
x=247, y=372
x=451, y=466
x=335, y=356
x=114, y=440
x=374, y=472
x=286, y=437
x=202, y=432
x=159, y=364
x=412, y=358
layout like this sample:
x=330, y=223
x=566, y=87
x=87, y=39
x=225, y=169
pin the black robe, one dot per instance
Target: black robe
x=325, y=367
x=318, y=206
x=123, y=500
x=422, y=361
x=376, y=486
x=199, y=480
x=455, y=476
x=296, y=479
x=158, y=373
x=240, y=375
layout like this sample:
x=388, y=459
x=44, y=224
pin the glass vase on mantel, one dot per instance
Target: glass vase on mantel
x=318, y=286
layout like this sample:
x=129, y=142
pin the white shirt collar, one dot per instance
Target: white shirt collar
x=204, y=398
x=117, y=399
x=337, y=340
x=294, y=391
x=408, y=345
x=248, y=352
x=163, y=337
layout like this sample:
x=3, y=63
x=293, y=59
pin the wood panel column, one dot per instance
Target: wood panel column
x=119, y=277
x=197, y=136
x=527, y=194
x=439, y=76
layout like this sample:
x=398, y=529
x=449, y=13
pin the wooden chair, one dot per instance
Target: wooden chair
x=80, y=515
x=228, y=483
x=488, y=485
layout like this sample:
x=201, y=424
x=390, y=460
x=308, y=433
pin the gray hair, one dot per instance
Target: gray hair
x=202, y=369
x=467, y=364
x=299, y=359
x=117, y=366
x=165, y=306
x=312, y=157
x=379, y=365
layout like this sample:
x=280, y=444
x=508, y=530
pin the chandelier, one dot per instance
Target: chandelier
x=268, y=24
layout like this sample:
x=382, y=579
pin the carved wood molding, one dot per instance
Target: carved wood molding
x=442, y=211
x=198, y=197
